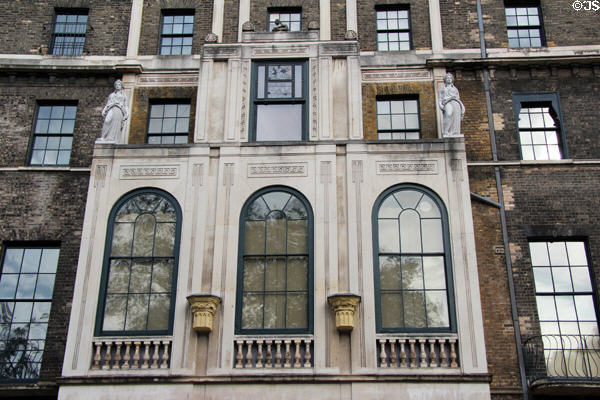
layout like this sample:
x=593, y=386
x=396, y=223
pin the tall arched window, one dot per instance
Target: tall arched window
x=413, y=279
x=140, y=265
x=275, y=289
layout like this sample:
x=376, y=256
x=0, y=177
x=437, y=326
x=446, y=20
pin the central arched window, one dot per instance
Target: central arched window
x=274, y=290
x=140, y=265
x=413, y=279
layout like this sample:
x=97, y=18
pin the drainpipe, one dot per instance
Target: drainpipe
x=511, y=284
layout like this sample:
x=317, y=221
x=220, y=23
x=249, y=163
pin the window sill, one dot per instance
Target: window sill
x=46, y=169
x=258, y=37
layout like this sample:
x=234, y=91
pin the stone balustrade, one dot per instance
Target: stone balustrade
x=417, y=352
x=274, y=352
x=131, y=354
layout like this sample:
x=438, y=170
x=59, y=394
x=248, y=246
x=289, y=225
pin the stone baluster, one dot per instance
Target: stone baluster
x=117, y=358
x=413, y=354
x=136, y=354
x=422, y=354
x=432, y=356
x=259, y=354
x=269, y=355
x=297, y=354
x=165, y=357
x=287, y=354
x=382, y=354
x=97, y=356
x=155, y=355
x=107, y=356
x=403, y=361
x=146, y=357
x=278, y=354
x=239, y=357
x=307, y=355
x=393, y=352
x=127, y=356
x=443, y=355
x=453, y=363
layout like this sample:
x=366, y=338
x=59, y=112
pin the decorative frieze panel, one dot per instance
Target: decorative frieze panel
x=279, y=169
x=396, y=76
x=417, y=352
x=293, y=352
x=280, y=51
x=154, y=80
x=427, y=167
x=149, y=172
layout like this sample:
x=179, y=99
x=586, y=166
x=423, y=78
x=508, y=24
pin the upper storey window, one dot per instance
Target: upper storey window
x=393, y=28
x=176, y=32
x=53, y=134
x=290, y=18
x=539, y=127
x=397, y=118
x=68, y=35
x=26, y=287
x=279, y=100
x=524, y=25
x=169, y=123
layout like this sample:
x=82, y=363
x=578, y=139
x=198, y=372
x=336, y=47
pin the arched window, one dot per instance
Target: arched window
x=413, y=279
x=140, y=265
x=275, y=289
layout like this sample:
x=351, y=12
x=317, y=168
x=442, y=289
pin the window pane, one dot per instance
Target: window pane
x=389, y=240
x=164, y=240
x=297, y=273
x=410, y=232
x=432, y=230
x=437, y=309
x=296, y=236
x=412, y=273
x=275, y=278
x=434, y=273
x=252, y=311
x=118, y=277
x=158, y=317
x=414, y=309
x=141, y=272
x=144, y=235
x=271, y=118
x=274, y=311
x=390, y=277
x=31, y=260
x=162, y=276
x=137, y=312
x=391, y=310
x=546, y=308
x=255, y=237
x=296, y=311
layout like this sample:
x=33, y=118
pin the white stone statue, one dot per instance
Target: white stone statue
x=115, y=114
x=452, y=108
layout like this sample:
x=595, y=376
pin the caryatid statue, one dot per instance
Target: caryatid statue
x=452, y=108
x=115, y=114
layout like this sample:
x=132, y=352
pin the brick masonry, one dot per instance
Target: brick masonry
x=419, y=23
x=338, y=19
x=142, y=98
x=230, y=21
x=26, y=26
x=152, y=20
x=426, y=95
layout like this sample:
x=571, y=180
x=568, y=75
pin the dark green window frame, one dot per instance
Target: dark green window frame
x=176, y=32
x=99, y=331
x=289, y=16
x=53, y=131
x=242, y=256
x=68, y=31
x=263, y=97
x=168, y=121
x=445, y=253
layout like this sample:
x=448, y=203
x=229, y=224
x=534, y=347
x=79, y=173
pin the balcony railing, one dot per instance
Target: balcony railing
x=270, y=352
x=417, y=352
x=562, y=357
x=131, y=354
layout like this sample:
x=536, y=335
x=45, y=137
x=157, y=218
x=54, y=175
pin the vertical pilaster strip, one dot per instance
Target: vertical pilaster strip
x=351, y=16
x=217, y=18
x=435, y=23
x=325, y=98
x=129, y=81
x=202, y=100
x=135, y=28
x=244, y=15
x=354, y=98
x=325, y=181
x=314, y=98
x=325, y=22
x=231, y=107
x=97, y=183
x=357, y=179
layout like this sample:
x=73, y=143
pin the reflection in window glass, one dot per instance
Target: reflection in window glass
x=26, y=286
x=169, y=123
x=565, y=305
x=538, y=133
x=524, y=27
x=291, y=18
x=138, y=296
x=176, y=34
x=53, y=134
x=275, y=286
x=393, y=29
x=411, y=263
x=68, y=36
x=398, y=119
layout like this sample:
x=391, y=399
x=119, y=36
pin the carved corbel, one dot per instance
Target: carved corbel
x=203, y=307
x=344, y=305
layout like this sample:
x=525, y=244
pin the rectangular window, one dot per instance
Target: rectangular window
x=524, y=25
x=565, y=304
x=68, y=35
x=176, y=33
x=279, y=100
x=26, y=286
x=393, y=28
x=290, y=18
x=169, y=123
x=539, y=127
x=53, y=134
x=397, y=118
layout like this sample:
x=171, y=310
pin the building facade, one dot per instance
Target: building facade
x=281, y=214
